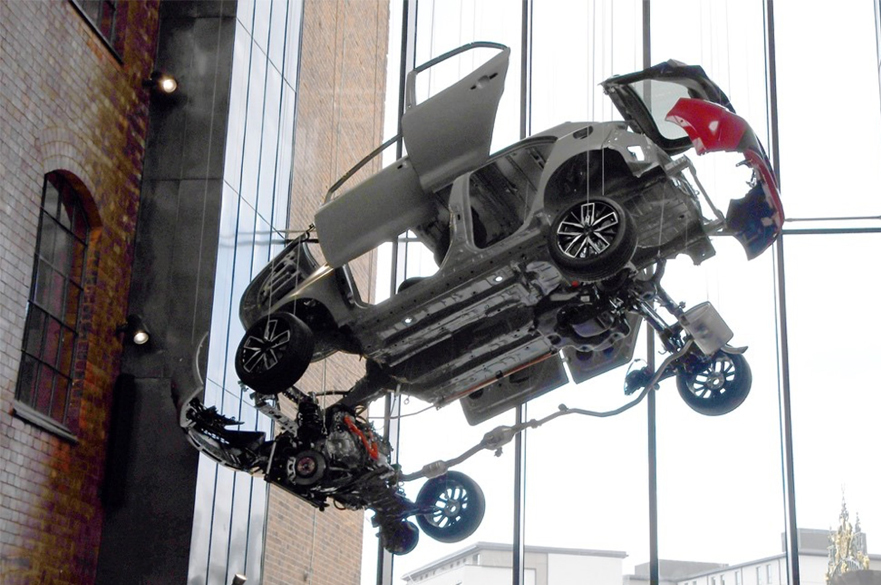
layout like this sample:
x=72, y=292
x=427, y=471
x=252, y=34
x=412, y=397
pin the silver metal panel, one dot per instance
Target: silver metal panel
x=450, y=133
x=514, y=390
x=373, y=212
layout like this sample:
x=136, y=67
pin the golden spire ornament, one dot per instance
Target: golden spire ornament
x=847, y=547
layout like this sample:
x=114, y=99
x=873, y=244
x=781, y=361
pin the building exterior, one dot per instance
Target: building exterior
x=121, y=205
x=490, y=564
x=74, y=114
x=669, y=571
x=813, y=559
x=825, y=557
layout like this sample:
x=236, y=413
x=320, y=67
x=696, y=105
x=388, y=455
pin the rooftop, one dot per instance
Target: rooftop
x=479, y=547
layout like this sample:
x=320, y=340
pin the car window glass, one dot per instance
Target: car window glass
x=659, y=98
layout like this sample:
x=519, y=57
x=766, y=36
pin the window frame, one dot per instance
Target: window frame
x=70, y=273
x=113, y=43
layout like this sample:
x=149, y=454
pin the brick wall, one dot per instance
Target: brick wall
x=67, y=104
x=339, y=121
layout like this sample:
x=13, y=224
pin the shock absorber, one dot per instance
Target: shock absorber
x=309, y=421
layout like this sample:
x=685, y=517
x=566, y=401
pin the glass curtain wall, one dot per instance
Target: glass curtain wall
x=720, y=488
x=229, y=525
x=830, y=111
x=719, y=482
x=586, y=478
x=834, y=405
x=577, y=45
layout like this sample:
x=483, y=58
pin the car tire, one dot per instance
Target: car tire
x=274, y=353
x=593, y=239
x=399, y=538
x=715, y=387
x=456, y=505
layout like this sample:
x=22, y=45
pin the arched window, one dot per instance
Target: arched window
x=51, y=329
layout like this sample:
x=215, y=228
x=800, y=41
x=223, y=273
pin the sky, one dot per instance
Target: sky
x=720, y=489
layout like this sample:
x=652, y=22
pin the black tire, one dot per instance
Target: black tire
x=274, y=353
x=592, y=239
x=715, y=387
x=456, y=505
x=399, y=538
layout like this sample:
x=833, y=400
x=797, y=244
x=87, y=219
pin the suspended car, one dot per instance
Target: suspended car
x=551, y=250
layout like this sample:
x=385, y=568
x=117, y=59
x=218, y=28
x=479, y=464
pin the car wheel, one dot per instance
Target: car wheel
x=399, y=538
x=274, y=353
x=716, y=387
x=456, y=506
x=593, y=239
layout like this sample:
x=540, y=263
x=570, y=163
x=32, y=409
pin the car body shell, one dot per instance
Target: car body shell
x=489, y=324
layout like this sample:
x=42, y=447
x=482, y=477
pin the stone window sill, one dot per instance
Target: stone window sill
x=46, y=423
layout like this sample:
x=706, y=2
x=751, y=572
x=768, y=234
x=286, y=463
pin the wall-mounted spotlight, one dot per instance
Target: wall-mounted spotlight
x=134, y=330
x=161, y=83
x=239, y=579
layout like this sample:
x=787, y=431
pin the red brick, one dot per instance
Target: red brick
x=68, y=105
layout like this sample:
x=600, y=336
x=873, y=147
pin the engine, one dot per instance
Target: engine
x=331, y=453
